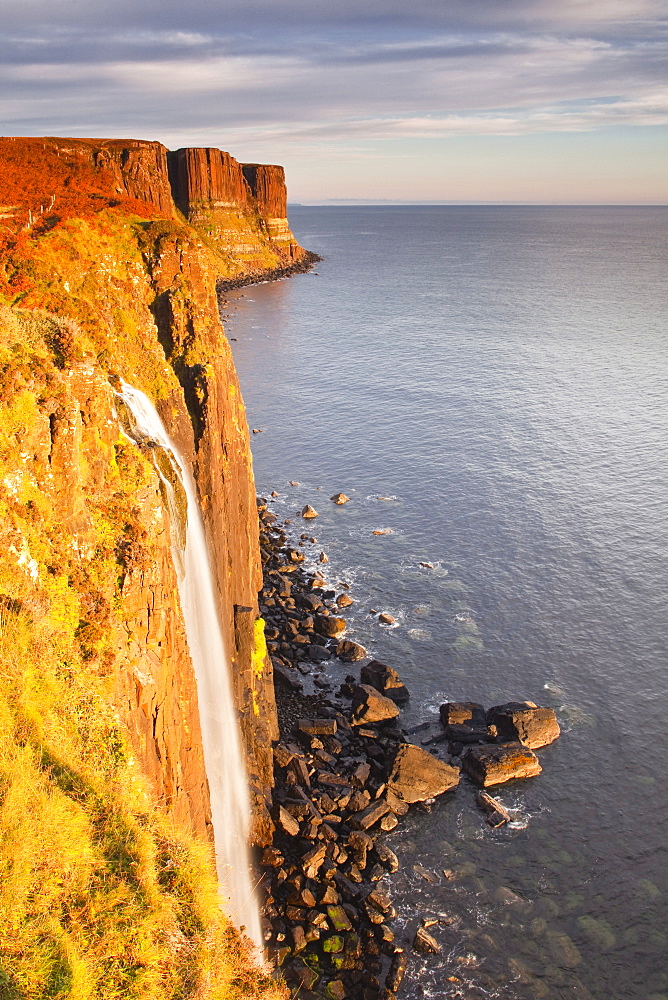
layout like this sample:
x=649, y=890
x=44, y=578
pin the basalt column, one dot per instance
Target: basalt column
x=267, y=184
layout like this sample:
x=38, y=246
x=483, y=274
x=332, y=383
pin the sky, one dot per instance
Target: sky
x=464, y=101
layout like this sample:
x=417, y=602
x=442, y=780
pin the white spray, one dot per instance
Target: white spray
x=228, y=786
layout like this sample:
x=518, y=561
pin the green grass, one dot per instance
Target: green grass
x=102, y=896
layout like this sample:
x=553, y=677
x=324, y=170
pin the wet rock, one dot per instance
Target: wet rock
x=344, y=600
x=530, y=725
x=329, y=625
x=493, y=765
x=397, y=805
x=386, y=680
x=308, y=511
x=387, y=857
x=380, y=898
x=496, y=813
x=340, y=498
x=563, y=951
x=425, y=943
x=318, y=654
x=287, y=677
x=371, y=706
x=396, y=973
x=417, y=775
x=349, y=651
x=463, y=712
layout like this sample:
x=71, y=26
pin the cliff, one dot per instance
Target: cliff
x=237, y=206
x=103, y=793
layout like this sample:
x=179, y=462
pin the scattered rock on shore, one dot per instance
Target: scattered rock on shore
x=371, y=706
x=386, y=680
x=525, y=722
x=493, y=765
x=417, y=775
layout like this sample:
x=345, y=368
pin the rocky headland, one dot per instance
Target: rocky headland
x=104, y=804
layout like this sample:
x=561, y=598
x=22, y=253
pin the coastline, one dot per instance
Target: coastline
x=305, y=263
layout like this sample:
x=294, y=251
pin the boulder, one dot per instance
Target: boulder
x=308, y=511
x=528, y=724
x=350, y=651
x=396, y=972
x=492, y=765
x=460, y=732
x=370, y=706
x=317, y=727
x=344, y=600
x=468, y=713
x=329, y=625
x=497, y=814
x=386, y=680
x=365, y=818
x=417, y=775
x=425, y=943
x=318, y=653
x=340, y=498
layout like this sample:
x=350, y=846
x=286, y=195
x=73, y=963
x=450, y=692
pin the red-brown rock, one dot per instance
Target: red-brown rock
x=493, y=765
x=417, y=775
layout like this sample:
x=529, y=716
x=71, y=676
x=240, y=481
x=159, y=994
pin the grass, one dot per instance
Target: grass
x=102, y=896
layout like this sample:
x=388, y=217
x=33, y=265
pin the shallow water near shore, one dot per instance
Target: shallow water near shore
x=491, y=384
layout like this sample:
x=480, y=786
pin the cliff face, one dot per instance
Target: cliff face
x=267, y=184
x=104, y=282
x=238, y=206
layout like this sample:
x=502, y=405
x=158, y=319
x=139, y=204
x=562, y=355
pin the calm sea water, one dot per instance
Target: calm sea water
x=491, y=384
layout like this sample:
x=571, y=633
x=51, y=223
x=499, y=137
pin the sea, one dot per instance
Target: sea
x=489, y=386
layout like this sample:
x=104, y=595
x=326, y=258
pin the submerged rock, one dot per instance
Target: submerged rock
x=340, y=498
x=497, y=814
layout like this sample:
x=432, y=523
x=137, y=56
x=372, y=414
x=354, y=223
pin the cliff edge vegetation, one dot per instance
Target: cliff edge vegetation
x=107, y=885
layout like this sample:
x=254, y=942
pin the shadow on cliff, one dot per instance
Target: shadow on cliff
x=114, y=836
x=191, y=377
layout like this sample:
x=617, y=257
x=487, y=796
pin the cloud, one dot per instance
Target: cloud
x=317, y=72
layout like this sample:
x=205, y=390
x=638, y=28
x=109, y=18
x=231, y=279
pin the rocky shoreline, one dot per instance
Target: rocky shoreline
x=345, y=774
x=305, y=263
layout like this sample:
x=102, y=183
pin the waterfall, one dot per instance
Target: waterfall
x=223, y=756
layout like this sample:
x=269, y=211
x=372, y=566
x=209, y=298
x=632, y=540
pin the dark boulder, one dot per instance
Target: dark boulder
x=468, y=713
x=386, y=680
x=497, y=814
x=349, y=651
x=329, y=625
